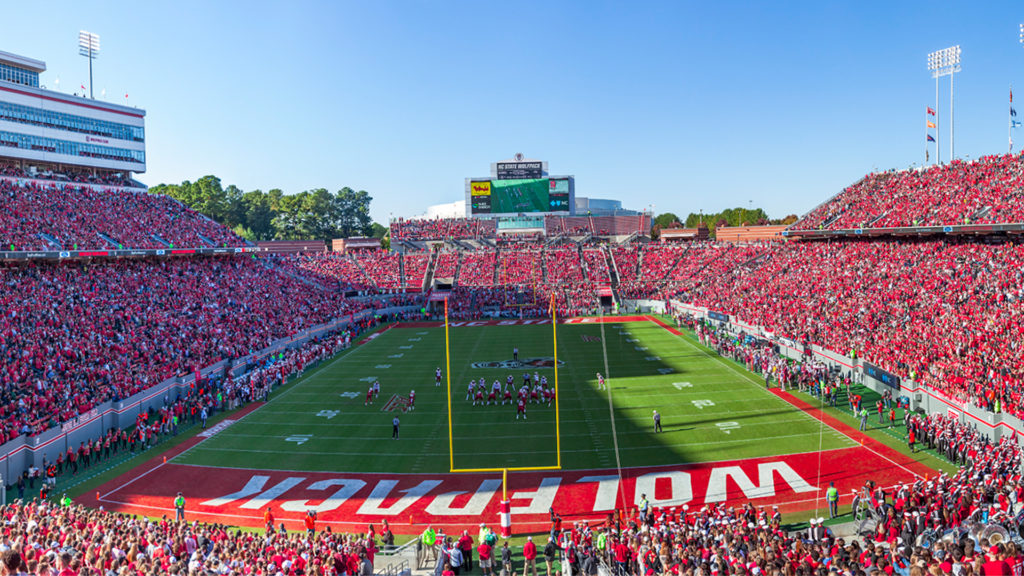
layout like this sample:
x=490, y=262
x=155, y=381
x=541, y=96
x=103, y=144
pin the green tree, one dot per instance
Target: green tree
x=665, y=220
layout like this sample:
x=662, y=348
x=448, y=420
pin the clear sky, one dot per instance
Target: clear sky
x=683, y=105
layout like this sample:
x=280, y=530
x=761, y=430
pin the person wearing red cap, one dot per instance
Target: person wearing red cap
x=994, y=564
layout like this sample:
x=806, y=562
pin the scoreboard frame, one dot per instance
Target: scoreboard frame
x=477, y=187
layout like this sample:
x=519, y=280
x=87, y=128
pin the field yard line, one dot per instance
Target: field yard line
x=728, y=364
x=755, y=384
x=322, y=368
x=588, y=449
x=611, y=406
x=183, y=447
x=701, y=463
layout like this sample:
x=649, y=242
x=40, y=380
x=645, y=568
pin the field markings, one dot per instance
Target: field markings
x=661, y=446
x=756, y=384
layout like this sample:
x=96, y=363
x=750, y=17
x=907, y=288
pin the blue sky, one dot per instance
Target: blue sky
x=683, y=105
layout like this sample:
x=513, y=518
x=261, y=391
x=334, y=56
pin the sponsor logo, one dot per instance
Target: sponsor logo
x=80, y=419
x=545, y=362
x=480, y=188
x=95, y=139
x=214, y=429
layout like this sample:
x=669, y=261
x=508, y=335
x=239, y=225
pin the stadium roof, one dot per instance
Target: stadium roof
x=22, y=62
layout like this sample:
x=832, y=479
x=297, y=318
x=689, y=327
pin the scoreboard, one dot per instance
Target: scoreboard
x=519, y=196
x=520, y=185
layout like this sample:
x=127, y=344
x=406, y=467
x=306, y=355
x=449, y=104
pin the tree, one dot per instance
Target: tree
x=255, y=215
x=353, y=212
x=666, y=220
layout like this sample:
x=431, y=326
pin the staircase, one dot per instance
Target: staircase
x=428, y=275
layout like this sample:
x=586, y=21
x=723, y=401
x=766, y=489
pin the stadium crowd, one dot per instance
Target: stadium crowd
x=984, y=191
x=87, y=218
x=75, y=335
x=942, y=313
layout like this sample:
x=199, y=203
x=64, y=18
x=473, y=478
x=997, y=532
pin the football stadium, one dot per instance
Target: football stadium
x=202, y=380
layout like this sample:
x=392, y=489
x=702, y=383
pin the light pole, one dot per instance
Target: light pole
x=945, y=62
x=89, y=46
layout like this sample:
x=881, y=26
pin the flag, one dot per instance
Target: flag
x=1014, y=124
x=1012, y=111
x=931, y=124
x=927, y=157
x=83, y=86
x=1011, y=95
x=930, y=139
x=930, y=111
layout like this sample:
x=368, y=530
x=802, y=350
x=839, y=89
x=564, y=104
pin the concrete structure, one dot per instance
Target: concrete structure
x=737, y=234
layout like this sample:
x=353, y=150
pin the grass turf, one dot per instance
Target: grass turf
x=711, y=408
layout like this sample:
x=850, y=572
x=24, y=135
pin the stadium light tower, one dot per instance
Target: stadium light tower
x=945, y=62
x=89, y=46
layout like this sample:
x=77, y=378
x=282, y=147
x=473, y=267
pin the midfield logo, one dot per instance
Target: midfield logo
x=545, y=362
x=396, y=402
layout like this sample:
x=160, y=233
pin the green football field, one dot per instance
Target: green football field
x=712, y=409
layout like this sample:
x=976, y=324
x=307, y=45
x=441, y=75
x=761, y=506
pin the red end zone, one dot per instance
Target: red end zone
x=410, y=501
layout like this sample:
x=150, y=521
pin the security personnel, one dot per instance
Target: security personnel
x=832, y=496
x=65, y=501
x=179, y=507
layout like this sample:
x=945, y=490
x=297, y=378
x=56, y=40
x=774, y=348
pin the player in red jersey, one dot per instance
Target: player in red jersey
x=369, y=396
x=479, y=397
x=493, y=395
x=521, y=409
x=412, y=401
x=549, y=394
x=508, y=395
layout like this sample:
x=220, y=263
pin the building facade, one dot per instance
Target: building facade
x=44, y=130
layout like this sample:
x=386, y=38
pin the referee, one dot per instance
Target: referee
x=657, y=422
x=394, y=428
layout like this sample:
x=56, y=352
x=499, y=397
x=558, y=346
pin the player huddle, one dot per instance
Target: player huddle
x=534, y=390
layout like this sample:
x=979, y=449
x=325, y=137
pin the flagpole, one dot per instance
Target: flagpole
x=1009, y=124
x=938, y=128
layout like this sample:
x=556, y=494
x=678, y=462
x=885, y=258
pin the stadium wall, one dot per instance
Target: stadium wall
x=922, y=397
x=23, y=452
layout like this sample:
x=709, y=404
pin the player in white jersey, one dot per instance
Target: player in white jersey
x=600, y=382
x=376, y=388
x=544, y=381
x=437, y=377
x=536, y=377
x=469, y=390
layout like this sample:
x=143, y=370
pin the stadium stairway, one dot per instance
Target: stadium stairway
x=160, y=240
x=110, y=240
x=401, y=269
x=613, y=270
x=51, y=241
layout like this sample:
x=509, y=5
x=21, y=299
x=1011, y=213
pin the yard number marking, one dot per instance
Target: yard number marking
x=327, y=414
x=653, y=358
x=399, y=355
x=414, y=339
x=299, y=439
x=701, y=404
x=681, y=385
x=728, y=427
x=640, y=348
x=382, y=366
x=349, y=395
x=409, y=347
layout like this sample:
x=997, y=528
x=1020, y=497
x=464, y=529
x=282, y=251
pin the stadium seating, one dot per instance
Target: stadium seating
x=441, y=228
x=415, y=269
x=985, y=191
x=382, y=267
x=64, y=343
x=79, y=217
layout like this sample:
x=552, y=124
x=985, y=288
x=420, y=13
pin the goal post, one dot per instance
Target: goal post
x=558, y=430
